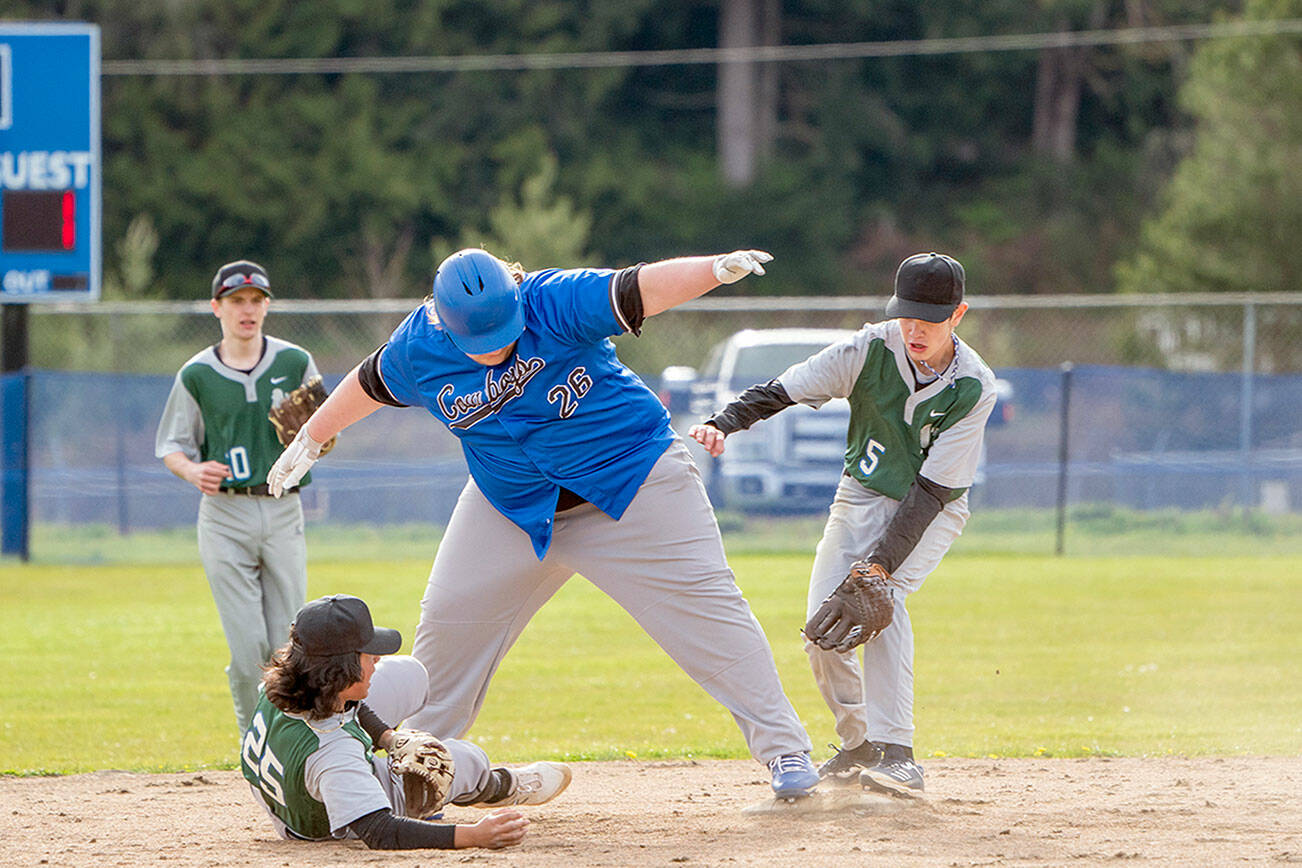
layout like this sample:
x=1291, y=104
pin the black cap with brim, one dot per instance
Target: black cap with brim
x=928, y=286
x=241, y=274
x=341, y=624
x=899, y=307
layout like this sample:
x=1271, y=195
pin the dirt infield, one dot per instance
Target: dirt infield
x=1168, y=811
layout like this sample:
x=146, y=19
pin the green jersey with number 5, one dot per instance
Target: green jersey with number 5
x=218, y=413
x=900, y=429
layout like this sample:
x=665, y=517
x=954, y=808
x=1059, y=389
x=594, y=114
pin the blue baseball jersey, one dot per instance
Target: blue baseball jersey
x=563, y=410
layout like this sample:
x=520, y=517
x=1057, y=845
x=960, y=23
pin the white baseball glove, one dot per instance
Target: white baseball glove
x=294, y=463
x=732, y=267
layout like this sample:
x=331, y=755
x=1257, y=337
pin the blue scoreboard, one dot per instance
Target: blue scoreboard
x=49, y=162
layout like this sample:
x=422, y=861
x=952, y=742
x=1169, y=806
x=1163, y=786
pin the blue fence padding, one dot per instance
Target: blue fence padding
x=15, y=512
x=1138, y=437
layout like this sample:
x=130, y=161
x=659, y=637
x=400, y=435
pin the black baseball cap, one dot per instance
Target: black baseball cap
x=341, y=624
x=928, y=286
x=236, y=275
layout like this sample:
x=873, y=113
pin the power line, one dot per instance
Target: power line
x=689, y=56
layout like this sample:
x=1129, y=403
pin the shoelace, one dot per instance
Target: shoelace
x=529, y=784
x=792, y=762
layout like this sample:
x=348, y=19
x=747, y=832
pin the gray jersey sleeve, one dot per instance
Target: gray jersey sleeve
x=181, y=428
x=310, y=371
x=955, y=453
x=339, y=776
x=829, y=373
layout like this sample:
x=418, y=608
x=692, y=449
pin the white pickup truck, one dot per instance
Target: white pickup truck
x=790, y=462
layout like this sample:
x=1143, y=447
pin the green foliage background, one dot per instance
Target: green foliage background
x=352, y=185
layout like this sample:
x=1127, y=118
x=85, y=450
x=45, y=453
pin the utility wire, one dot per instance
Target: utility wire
x=688, y=56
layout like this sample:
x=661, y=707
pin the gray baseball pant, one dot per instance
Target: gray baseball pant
x=255, y=556
x=875, y=702
x=399, y=688
x=663, y=562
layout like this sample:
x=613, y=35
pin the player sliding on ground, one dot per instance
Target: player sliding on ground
x=327, y=701
x=919, y=400
x=573, y=469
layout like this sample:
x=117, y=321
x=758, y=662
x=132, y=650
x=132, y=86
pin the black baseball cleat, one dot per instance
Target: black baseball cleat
x=898, y=774
x=846, y=764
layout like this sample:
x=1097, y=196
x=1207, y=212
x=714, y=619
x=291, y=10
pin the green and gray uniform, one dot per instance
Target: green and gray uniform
x=915, y=438
x=251, y=544
x=316, y=777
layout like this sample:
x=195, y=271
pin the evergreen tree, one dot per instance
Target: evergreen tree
x=1233, y=211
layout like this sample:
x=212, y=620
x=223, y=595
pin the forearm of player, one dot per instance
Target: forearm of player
x=206, y=476
x=758, y=402
x=385, y=830
x=347, y=404
x=670, y=282
x=380, y=732
x=923, y=502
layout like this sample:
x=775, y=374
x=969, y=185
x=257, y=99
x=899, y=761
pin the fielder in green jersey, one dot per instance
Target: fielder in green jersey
x=214, y=434
x=329, y=698
x=919, y=400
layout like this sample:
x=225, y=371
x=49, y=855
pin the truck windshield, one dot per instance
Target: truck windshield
x=759, y=364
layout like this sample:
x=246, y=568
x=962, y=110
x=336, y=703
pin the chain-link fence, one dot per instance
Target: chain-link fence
x=1195, y=332
x=1188, y=402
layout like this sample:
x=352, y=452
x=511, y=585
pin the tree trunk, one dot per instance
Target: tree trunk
x=746, y=98
x=1058, y=85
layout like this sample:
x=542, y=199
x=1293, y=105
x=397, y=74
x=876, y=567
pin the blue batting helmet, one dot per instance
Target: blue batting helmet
x=478, y=302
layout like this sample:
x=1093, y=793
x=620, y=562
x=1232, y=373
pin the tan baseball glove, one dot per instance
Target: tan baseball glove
x=298, y=406
x=425, y=768
x=861, y=607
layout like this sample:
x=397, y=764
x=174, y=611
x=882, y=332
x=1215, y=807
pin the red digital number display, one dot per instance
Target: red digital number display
x=38, y=221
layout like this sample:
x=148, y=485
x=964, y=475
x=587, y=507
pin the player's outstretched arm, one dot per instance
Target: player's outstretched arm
x=347, y=404
x=670, y=282
x=502, y=828
x=385, y=830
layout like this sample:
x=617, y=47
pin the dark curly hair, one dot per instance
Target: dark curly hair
x=307, y=684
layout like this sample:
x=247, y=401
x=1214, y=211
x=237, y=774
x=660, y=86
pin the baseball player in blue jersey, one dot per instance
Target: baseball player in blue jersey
x=574, y=468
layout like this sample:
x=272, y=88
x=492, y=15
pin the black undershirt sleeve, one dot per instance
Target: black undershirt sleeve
x=371, y=723
x=368, y=374
x=923, y=502
x=384, y=830
x=628, y=298
x=758, y=402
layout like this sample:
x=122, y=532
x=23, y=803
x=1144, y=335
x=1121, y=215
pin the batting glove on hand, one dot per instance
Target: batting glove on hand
x=732, y=267
x=293, y=463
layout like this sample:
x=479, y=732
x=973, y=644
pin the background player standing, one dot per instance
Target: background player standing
x=215, y=435
x=919, y=399
x=308, y=753
x=573, y=468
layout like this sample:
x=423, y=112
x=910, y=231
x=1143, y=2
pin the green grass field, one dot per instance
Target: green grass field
x=120, y=665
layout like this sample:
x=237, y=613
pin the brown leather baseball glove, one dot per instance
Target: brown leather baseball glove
x=298, y=406
x=425, y=768
x=861, y=607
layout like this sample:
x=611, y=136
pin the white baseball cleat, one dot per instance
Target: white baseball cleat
x=534, y=784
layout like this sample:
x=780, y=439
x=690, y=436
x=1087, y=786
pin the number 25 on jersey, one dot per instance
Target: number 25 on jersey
x=258, y=757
